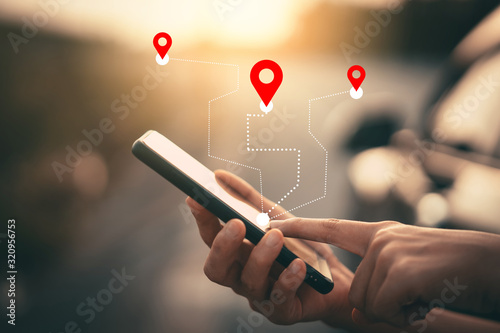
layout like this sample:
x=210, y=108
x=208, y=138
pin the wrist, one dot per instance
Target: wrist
x=349, y=325
x=340, y=320
x=490, y=274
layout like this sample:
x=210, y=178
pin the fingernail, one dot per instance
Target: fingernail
x=295, y=267
x=232, y=229
x=273, y=238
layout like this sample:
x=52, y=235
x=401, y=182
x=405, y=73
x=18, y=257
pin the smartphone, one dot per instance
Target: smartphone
x=199, y=182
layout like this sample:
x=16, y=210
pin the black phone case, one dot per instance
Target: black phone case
x=191, y=188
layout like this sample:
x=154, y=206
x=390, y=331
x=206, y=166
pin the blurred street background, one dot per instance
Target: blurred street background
x=65, y=66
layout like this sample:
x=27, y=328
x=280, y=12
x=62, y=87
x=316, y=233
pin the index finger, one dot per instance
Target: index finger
x=353, y=236
x=208, y=224
x=242, y=190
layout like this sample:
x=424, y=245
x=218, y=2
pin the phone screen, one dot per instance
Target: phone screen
x=298, y=247
x=205, y=178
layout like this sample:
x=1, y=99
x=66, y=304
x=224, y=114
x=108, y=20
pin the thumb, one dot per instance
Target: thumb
x=353, y=236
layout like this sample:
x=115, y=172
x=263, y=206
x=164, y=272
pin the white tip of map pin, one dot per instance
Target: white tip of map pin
x=356, y=94
x=265, y=108
x=163, y=61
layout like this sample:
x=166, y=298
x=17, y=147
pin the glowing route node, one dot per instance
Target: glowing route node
x=263, y=219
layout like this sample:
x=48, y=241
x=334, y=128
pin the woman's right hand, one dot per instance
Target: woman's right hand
x=408, y=270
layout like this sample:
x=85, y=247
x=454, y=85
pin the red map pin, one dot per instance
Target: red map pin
x=266, y=91
x=162, y=49
x=356, y=82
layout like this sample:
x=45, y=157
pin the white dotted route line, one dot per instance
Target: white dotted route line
x=267, y=149
x=296, y=185
x=209, y=117
x=274, y=150
x=322, y=147
x=206, y=62
x=248, y=127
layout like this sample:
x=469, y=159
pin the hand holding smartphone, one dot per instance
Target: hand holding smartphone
x=200, y=183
